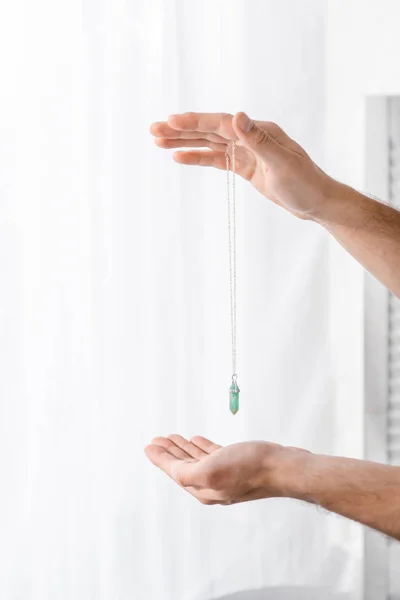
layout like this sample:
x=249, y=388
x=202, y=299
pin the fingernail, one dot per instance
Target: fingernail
x=245, y=124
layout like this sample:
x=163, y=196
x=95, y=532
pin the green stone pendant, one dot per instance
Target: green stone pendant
x=234, y=397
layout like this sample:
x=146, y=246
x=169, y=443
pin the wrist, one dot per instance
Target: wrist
x=333, y=202
x=286, y=473
x=344, y=206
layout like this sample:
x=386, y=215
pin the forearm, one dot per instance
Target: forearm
x=368, y=229
x=359, y=490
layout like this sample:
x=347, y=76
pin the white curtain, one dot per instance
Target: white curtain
x=114, y=303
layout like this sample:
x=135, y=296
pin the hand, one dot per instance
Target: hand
x=231, y=474
x=266, y=156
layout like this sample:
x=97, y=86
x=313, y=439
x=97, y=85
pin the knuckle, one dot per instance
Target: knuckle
x=272, y=126
x=275, y=131
x=226, y=119
x=261, y=137
x=192, y=117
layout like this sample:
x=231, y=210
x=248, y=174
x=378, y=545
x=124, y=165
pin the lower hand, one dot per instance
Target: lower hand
x=230, y=474
x=266, y=156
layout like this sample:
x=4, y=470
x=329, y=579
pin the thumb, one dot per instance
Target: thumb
x=258, y=140
x=186, y=473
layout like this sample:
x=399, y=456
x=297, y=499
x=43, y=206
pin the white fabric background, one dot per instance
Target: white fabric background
x=114, y=306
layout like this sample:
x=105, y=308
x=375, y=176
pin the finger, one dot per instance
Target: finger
x=189, y=473
x=204, y=444
x=161, y=458
x=213, y=158
x=259, y=140
x=168, y=143
x=184, y=472
x=172, y=448
x=219, y=123
x=186, y=446
x=163, y=130
x=202, y=158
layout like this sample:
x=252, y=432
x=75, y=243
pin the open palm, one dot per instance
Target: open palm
x=216, y=474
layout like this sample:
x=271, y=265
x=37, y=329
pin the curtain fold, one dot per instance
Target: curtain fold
x=114, y=305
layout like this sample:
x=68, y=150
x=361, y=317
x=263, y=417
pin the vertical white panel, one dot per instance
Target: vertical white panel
x=393, y=421
x=382, y=345
x=375, y=345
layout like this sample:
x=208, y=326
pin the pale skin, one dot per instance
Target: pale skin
x=284, y=173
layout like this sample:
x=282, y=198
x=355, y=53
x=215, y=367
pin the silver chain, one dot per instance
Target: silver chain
x=231, y=197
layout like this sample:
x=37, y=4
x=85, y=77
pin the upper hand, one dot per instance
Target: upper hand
x=266, y=156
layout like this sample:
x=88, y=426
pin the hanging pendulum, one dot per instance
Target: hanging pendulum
x=234, y=395
x=231, y=196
